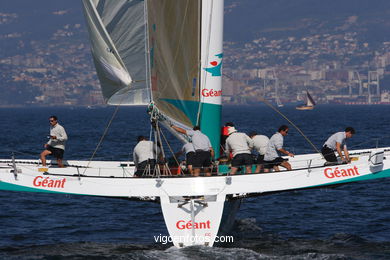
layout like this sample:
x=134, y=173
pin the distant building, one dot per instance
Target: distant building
x=342, y=75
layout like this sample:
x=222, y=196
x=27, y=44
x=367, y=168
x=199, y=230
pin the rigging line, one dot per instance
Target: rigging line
x=369, y=141
x=103, y=135
x=23, y=153
x=285, y=117
x=158, y=130
x=156, y=169
x=170, y=148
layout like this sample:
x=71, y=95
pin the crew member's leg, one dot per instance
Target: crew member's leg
x=236, y=162
x=190, y=161
x=248, y=162
x=207, y=163
x=197, y=164
x=59, y=154
x=141, y=169
x=328, y=154
x=259, y=163
x=43, y=156
x=59, y=162
x=286, y=165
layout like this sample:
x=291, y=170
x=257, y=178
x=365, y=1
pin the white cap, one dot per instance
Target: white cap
x=231, y=130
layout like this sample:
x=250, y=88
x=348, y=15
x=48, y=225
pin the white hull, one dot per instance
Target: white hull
x=188, y=199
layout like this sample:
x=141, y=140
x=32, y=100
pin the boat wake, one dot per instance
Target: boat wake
x=250, y=242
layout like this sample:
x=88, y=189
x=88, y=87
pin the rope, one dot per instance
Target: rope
x=285, y=117
x=170, y=148
x=158, y=131
x=102, y=137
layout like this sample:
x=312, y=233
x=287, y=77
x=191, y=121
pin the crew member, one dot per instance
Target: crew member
x=203, y=149
x=275, y=145
x=240, y=145
x=56, y=144
x=224, y=136
x=260, y=144
x=336, y=142
x=189, y=153
x=144, y=156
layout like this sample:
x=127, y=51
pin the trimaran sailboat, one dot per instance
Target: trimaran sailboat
x=170, y=52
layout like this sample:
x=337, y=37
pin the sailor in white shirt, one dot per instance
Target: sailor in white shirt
x=240, y=145
x=260, y=144
x=145, y=156
x=203, y=149
x=336, y=142
x=275, y=145
x=56, y=144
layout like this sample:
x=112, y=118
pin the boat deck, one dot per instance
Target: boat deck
x=123, y=169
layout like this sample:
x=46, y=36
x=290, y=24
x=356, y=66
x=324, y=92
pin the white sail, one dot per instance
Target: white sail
x=117, y=32
x=309, y=100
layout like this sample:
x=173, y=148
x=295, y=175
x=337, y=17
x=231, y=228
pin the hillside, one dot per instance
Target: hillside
x=246, y=20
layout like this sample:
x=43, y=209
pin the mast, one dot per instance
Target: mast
x=211, y=75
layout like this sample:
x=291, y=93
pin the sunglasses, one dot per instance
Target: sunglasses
x=52, y=120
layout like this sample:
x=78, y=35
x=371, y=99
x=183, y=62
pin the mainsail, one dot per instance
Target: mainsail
x=117, y=32
x=174, y=42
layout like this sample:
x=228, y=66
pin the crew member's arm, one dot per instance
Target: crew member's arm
x=212, y=152
x=61, y=135
x=135, y=159
x=346, y=153
x=227, y=148
x=180, y=130
x=250, y=142
x=286, y=152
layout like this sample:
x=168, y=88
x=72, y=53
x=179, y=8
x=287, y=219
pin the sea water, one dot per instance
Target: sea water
x=347, y=222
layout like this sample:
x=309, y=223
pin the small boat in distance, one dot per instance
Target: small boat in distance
x=278, y=102
x=309, y=103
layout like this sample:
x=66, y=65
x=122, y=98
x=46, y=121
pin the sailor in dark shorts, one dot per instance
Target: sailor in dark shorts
x=275, y=145
x=336, y=142
x=260, y=144
x=56, y=152
x=189, y=153
x=56, y=144
x=203, y=149
x=240, y=145
x=145, y=155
